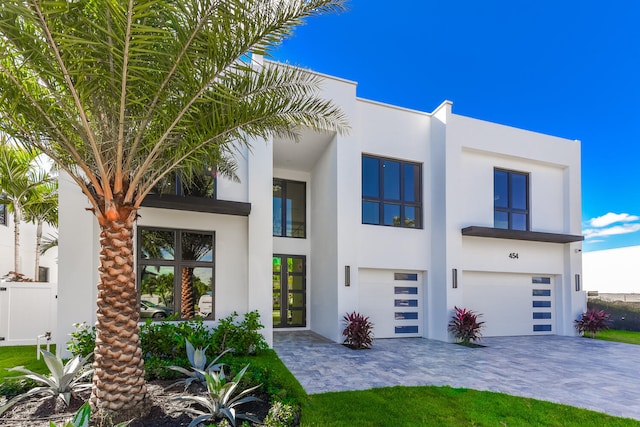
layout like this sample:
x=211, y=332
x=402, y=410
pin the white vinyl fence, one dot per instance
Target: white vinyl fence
x=27, y=310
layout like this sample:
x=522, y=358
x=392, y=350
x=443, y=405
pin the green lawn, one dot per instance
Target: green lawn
x=444, y=406
x=23, y=355
x=629, y=337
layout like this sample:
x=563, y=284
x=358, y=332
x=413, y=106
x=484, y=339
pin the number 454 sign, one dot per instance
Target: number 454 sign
x=513, y=255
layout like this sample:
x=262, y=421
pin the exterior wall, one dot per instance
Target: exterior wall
x=473, y=149
x=458, y=156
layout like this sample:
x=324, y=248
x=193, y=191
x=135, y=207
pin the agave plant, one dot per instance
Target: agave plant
x=63, y=382
x=218, y=402
x=198, y=359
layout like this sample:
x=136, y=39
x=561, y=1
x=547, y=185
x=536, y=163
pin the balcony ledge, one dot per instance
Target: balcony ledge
x=533, y=236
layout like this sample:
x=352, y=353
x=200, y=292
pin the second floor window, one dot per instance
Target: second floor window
x=391, y=192
x=510, y=200
x=289, y=208
x=201, y=185
x=3, y=214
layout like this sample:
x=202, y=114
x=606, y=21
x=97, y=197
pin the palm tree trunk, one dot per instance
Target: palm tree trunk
x=119, y=389
x=16, y=239
x=36, y=275
x=187, y=302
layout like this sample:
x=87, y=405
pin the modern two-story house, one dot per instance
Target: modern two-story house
x=404, y=218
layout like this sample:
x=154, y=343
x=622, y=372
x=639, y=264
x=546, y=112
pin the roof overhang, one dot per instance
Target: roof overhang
x=534, y=236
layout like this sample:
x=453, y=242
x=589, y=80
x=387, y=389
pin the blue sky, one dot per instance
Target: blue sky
x=567, y=68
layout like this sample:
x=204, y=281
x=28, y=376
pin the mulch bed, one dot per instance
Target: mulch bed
x=34, y=412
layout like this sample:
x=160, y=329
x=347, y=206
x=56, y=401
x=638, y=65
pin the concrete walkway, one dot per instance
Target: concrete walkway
x=593, y=374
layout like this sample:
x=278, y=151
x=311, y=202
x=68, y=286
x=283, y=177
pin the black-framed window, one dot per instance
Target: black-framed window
x=3, y=214
x=43, y=274
x=391, y=192
x=200, y=185
x=176, y=271
x=510, y=200
x=289, y=208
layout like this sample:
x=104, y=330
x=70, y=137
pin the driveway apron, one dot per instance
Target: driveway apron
x=593, y=374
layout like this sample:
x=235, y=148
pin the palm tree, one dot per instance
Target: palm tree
x=41, y=208
x=119, y=93
x=20, y=182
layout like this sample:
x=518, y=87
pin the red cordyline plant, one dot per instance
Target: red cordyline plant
x=358, y=331
x=464, y=325
x=592, y=322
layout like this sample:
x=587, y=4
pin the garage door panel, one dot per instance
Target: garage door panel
x=508, y=303
x=393, y=301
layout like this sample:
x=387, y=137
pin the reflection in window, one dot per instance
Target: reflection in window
x=3, y=214
x=176, y=273
x=391, y=192
x=510, y=200
x=199, y=185
x=289, y=208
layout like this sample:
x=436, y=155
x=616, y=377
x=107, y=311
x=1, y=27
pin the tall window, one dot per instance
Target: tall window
x=511, y=200
x=3, y=214
x=175, y=273
x=289, y=208
x=391, y=192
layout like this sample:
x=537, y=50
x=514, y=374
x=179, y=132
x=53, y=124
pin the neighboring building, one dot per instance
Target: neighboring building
x=614, y=271
x=406, y=217
x=48, y=261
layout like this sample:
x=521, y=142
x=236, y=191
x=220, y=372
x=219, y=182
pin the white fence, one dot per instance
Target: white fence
x=27, y=309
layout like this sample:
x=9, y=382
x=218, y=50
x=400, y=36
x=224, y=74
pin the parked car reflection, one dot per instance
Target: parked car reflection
x=154, y=311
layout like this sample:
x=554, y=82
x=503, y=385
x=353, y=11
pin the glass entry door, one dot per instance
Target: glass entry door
x=289, y=291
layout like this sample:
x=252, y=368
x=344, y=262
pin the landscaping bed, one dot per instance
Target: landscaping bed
x=624, y=315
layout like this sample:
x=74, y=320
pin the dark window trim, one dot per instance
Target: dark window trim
x=283, y=220
x=176, y=262
x=418, y=204
x=533, y=236
x=197, y=204
x=5, y=213
x=510, y=210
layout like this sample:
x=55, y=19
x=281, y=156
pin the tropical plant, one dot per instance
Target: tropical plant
x=22, y=185
x=464, y=325
x=120, y=94
x=42, y=208
x=280, y=415
x=219, y=401
x=63, y=382
x=592, y=321
x=80, y=419
x=244, y=337
x=358, y=331
x=83, y=340
x=198, y=359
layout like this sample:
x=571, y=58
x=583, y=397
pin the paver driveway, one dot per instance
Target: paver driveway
x=593, y=374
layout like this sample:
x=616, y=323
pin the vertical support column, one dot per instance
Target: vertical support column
x=260, y=239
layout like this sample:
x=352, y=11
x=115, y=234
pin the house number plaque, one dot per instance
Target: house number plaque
x=513, y=255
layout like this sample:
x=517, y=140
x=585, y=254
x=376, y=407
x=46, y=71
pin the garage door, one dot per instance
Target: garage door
x=511, y=304
x=393, y=301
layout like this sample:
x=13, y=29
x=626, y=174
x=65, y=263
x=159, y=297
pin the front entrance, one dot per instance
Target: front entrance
x=289, y=291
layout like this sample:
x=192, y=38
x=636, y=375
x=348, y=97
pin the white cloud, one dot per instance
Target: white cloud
x=610, y=231
x=612, y=218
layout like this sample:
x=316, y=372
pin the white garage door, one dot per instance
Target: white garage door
x=393, y=301
x=511, y=304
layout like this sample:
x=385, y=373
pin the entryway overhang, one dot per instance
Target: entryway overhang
x=533, y=236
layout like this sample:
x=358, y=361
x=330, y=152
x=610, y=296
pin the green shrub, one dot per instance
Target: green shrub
x=243, y=337
x=13, y=386
x=83, y=340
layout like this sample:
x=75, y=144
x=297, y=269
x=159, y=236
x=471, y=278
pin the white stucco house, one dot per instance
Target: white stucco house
x=407, y=216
